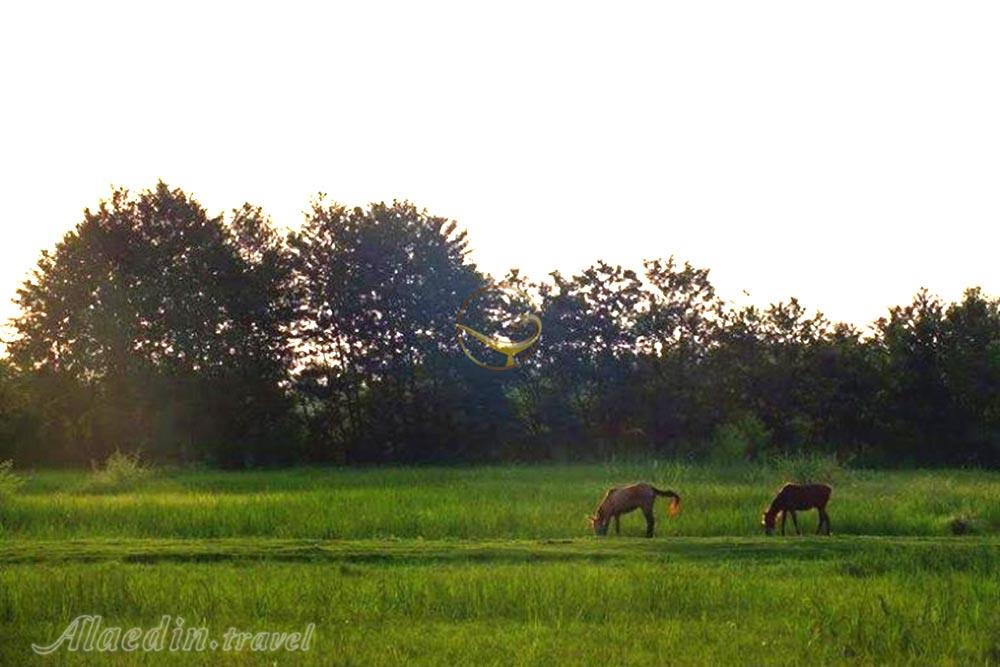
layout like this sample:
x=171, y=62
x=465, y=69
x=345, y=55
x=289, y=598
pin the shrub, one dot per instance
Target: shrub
x=739, y=440
x=964, y=524
x=10, y=482
x=121, y=472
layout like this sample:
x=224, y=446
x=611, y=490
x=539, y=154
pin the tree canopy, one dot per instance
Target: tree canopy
x=154, y=326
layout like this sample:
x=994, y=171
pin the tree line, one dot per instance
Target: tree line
x=155, y=327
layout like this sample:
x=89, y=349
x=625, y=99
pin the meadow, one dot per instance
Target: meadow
x=494, y=565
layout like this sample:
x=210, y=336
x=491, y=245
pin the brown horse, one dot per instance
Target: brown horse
x=618, y=501
x=794, y=497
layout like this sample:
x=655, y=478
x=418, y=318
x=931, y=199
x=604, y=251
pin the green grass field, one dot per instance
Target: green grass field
x=494, y=565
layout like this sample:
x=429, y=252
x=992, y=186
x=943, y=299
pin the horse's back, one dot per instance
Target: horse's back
x=802, y=496
x=627, y=498
x=819, y=490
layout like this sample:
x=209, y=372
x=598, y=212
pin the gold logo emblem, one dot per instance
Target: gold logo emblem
x=501, y=344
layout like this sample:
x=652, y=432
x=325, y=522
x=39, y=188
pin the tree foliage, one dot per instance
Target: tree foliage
x=156, y=327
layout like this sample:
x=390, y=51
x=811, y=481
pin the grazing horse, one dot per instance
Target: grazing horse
x=618, y=501
x=794, y=497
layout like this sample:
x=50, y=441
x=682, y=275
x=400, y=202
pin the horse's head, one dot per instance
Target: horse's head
x=767, y=520
x=599, y=524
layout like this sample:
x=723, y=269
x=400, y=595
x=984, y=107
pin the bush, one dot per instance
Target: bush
x=739, y=440
x=964, y=524
x=10, y=482
x=121, y=472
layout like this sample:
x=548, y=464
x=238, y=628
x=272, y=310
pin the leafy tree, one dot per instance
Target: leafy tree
x=587, y=355
x=17, y=424
x=155, y=326
x=678, y=327
x=845, y=385
x=970, y=363
x=379, y=289
x=914, y=400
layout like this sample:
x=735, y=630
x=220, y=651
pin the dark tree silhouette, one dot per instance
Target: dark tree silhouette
x=155, y=326
x=379, y=289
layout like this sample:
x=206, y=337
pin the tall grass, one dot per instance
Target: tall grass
x=809, y=469
x=873, y=604
x=482, y=503
x=495, y=566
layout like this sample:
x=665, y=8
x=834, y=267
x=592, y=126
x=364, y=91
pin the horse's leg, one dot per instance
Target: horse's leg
x=618, y=524
x=784, y=516
x=650, y=520
x=795, y=520
x=826, y=520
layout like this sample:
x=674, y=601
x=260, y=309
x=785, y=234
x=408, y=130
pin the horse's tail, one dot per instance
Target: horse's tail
x=675, y=502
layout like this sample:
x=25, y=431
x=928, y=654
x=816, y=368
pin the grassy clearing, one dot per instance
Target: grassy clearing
x=493, y=566
x=480, y=503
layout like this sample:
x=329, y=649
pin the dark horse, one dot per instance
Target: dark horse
x=794, y=497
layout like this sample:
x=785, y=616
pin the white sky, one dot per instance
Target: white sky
x=845, y=153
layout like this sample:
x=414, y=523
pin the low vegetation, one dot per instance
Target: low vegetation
x=120, y=472
x=10, y=481
x=494, y=565
x=509, y=502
